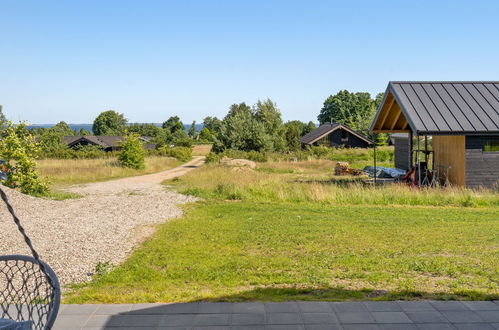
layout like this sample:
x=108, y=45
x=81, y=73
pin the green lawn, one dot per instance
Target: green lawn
x=255, y=247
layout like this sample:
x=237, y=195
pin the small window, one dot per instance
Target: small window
x=491, y=146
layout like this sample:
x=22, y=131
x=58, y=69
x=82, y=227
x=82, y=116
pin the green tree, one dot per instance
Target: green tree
x=269, y=115
x=308, y=128
x=84, y=132
x=181, y=139
x=109, y=123
x=192, y=130
x=62, y=128
x=240, y=130
x=205, y=135
x=150, y=130
x=3, y=119
x=19, y=148
x=293, y=132
x=213, y=124
x=352, y=109
x=381, y=139
x=132, y=152
x=173, y=124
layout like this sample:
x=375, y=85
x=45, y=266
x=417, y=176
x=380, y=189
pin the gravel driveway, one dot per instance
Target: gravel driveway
x=111, y=218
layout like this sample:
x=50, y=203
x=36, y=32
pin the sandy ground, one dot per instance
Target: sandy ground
x=111, y=218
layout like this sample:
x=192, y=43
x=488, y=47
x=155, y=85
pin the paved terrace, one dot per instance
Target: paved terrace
x=441, y=315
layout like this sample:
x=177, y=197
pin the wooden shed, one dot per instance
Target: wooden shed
x=336, y=135
x=462, y=117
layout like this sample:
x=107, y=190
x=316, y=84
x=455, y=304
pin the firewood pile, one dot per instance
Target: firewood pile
x=343, y=168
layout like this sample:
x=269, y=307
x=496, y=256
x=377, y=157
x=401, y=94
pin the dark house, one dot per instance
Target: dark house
x=336, y=135
x=108, y=143
x=462, y=117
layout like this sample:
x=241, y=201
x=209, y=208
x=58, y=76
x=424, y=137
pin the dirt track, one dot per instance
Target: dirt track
x=104, y=225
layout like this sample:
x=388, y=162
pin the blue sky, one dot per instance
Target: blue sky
x=70, y=60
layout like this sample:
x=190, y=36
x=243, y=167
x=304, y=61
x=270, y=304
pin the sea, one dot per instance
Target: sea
x=88, y=127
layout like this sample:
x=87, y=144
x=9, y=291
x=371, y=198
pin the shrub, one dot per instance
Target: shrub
x=132, y=152
x=20, y=149
x=183, y=154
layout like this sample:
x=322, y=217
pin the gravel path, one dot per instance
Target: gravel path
x=111, y=218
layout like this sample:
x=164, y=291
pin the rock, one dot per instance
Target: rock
x=241, y=163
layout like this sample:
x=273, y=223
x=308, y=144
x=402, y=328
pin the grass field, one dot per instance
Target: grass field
x=73, y=171
x=286, y=231
x=201, y=149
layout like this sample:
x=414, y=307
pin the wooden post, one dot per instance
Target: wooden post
x=375, y=165
x=426, y=150
x=410, y=149
x=418, y=160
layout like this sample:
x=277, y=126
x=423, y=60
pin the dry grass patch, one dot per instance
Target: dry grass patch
x=201, y=149
x=74, y=171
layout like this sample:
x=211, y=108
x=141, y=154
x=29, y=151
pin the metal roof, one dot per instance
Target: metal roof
x=326, y=129
x=447, y=107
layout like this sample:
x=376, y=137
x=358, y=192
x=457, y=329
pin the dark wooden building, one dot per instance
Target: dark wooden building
x=462, y=117
x=107, y=143
x=336, y=135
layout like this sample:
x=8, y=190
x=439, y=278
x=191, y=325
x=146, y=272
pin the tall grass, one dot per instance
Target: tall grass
x=357, y=157
x=314, y=182
x=74, y=171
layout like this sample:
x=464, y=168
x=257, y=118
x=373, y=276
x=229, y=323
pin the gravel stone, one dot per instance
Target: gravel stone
x=104, y=225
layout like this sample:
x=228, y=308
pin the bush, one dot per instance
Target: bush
x=81, y=152
x=183, y=154
x=132, y=152
x=20, y=149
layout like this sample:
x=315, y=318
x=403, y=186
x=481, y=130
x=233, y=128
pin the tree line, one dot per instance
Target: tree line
x=259, y=127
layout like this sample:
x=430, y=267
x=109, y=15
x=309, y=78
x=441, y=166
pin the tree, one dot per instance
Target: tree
x=20, y=149
x=181, y=139
x=173, y=124
x=109, y=123
x=269, y=115
x=150, y=130
x=293, y=131
x=132, y=152
x=62, y=128
x=213, y=124
x=192, y=130
x=3, y=119
x=352, y=109
x=240, y=130
x=205, y=135
x=381, y=139
x=308, y=128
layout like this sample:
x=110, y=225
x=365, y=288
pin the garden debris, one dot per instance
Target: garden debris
x=343, y=168
x=384, y=172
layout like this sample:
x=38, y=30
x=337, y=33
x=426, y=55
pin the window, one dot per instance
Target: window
x=491, y=146
x=344, y=136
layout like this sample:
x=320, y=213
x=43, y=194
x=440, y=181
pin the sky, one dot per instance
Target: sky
x=71, y=60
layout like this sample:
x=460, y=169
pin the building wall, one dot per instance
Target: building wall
x=449, y=150
x=401, y=146
x=344, y=138
x=482, y=168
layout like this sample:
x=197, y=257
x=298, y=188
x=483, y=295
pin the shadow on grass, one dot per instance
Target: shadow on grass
x=339, y=294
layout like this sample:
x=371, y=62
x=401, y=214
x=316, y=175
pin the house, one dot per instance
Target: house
x=462, y=117
x=107, y=143
x=336, y=135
